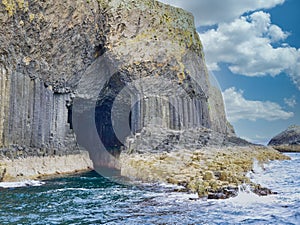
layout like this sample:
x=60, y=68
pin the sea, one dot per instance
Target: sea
x=89, y=198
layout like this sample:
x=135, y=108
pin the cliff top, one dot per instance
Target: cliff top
x=56, y=41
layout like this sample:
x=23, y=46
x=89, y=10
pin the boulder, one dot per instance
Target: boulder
x=288, y=140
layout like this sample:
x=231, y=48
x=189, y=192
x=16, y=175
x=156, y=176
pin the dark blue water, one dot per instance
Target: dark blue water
x=91, y=199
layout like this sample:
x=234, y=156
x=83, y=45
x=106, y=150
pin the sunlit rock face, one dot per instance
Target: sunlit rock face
x=288, y=140
x=52, y=55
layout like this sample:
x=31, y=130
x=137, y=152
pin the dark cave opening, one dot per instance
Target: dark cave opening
x=69, y=121
x=105, y=129
x=108, y=124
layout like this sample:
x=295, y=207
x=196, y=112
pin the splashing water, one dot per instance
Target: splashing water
x=24, y=183
x=257, y=167
x=91, y=199
x=246, y=197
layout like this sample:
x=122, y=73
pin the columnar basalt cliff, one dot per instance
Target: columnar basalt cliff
x=46, y=47
x=50, y=52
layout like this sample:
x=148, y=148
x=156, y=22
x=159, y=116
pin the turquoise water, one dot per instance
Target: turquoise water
x=91, y=199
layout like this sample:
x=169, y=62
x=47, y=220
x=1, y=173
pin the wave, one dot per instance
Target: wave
x=21, y=184
x=246, y=197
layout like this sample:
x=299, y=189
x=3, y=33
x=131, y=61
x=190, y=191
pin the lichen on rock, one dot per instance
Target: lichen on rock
x=46, y=47
x=51, y=53
x=207, y=171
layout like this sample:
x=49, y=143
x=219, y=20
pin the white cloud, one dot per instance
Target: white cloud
x=238, y=108
x=291, y=102
x=210, y=12
x=295, y=70
x=246, y=44
x=258, y=139
x=276, y=34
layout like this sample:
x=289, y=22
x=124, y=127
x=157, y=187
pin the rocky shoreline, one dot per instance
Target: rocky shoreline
x=288, y=140
x=287, y=148
x=38, y=167
x=46, y=94
x=211, y=172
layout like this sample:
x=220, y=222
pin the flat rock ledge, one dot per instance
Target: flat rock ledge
x=288, y=140
x=287, y=148
x=214, y=173
x=38, y=167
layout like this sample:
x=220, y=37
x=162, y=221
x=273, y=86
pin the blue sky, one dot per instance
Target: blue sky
x=253, y=49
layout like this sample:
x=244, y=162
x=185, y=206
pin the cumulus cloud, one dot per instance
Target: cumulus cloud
x=295, y=70
x=291, y=102
x=239, y=108
x=210, y=12
x=246, y=43
x=247, y=46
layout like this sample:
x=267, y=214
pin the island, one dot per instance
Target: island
x=93, y=84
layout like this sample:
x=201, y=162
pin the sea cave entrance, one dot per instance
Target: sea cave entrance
x=115, y=113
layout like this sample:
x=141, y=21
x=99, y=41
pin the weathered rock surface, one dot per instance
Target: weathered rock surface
x=157, y=140
x=47, y=48
x=288, y=140
x=44, y=46
x=211, y=172
x=38, y=167
x=53, y=54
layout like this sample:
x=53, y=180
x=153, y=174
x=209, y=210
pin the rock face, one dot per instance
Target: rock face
x=288, y=140
x=211, y=172
x=38, y=167
x=44, y=48
x=51, y=53
x=157, y=140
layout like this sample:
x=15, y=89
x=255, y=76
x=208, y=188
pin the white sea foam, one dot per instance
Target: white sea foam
x=260, y=176
x=21, y=184
x=71, y=189
x=256, y=167
x=246, y=197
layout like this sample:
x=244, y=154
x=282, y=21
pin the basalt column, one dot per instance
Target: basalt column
x=32, y=115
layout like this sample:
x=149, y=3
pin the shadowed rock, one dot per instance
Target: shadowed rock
x=48, y=57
